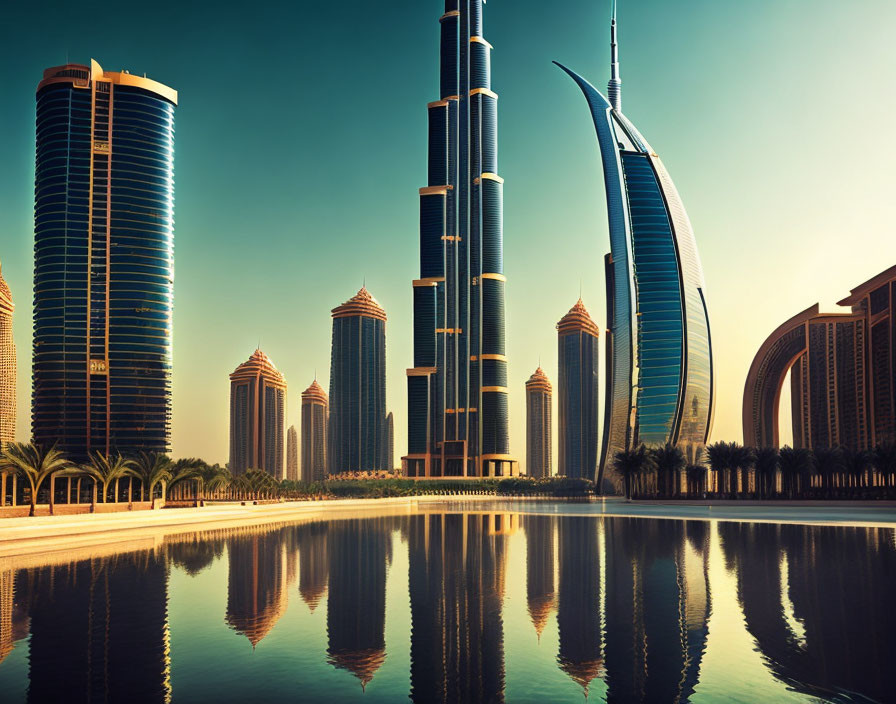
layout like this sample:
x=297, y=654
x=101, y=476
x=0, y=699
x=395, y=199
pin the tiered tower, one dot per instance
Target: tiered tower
x=538, y=424
x=315, y=414
x=578, y=387
x=257, y=416
x=457, y=389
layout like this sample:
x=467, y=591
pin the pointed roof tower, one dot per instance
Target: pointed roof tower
x=614, y=86
x=577, y=320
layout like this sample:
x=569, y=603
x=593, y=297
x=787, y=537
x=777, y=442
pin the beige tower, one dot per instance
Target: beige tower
x=292, y=454
x=7, y=367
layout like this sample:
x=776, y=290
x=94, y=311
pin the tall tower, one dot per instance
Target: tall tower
x=390, y=442
x=659, y=369
x=538, y=425
x=104, y=261
x=357, y=426
x=578, y=387
x=257, y=416
x=457, y=389
x=292, y=454
x=315, y=414
x=7, y=368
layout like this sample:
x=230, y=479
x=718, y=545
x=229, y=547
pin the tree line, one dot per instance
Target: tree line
x=727, y=470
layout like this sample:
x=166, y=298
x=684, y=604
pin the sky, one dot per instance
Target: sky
x=301, y=143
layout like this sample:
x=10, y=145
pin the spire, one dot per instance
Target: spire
x=614, y=87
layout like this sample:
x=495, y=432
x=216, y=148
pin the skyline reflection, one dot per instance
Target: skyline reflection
x=628, y=606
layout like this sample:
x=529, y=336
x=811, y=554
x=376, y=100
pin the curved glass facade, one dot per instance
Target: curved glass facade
x=104, y=262
x=659, y=373
x=457, y=390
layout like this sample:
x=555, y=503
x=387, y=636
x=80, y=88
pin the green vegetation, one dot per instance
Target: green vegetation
x=738, y=472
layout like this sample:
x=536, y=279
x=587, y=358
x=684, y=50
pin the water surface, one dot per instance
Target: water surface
x=460, y=605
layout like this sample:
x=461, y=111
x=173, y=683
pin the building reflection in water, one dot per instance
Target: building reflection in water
x=657, y=608
x=818, y=602
x=99, y=630
x=259, y=571
x=578, y=612
x=457, y=566
x=540, y=565
x=311, y=539
x=14, y=622
x=358, y=551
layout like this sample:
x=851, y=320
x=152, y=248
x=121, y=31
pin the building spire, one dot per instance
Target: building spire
x=614, y=87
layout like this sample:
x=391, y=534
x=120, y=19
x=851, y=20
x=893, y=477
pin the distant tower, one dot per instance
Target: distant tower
x=357, y=427
x=457, y=388
x=578, y=356
x=390, y=442
x=257, y=416
x=292, y=454
x=7, y=368
x=103, y=261
x=315, y=414
x=538, y=425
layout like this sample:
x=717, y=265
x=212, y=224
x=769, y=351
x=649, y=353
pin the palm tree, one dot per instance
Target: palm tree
x=151, y=468
x=742, y=461
x=669, y=460
x=630, y=464
x=829, y=462
x=719, y=456
x=696, y=480
x=106, y=469
x=858, y=462
x=885, y=464
x=35, y=464
x=796, y=464
x=766, y=464
x=213, y=477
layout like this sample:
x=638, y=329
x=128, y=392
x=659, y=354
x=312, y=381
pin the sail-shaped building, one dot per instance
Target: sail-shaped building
x=659, y=385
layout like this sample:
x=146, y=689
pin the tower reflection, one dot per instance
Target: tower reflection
x=311, y=539
x=657, y=609
x=824, y=630
x=99, y=630
x=358, y=551
x=259, y=570
x=540, y=565
x=456, y=580
x=578, y=613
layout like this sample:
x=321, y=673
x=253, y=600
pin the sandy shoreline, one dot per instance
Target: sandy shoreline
x=41, y=535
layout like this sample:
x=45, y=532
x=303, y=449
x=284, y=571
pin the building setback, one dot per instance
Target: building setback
x=257, y=416
x=292, y=454
x=842, y=370
x=538, y=425
x=7, y=368
x=357, y=425
x=578, y=353
x=315, y=414
x=103, y=261
x=659, y=365
x=457, y=389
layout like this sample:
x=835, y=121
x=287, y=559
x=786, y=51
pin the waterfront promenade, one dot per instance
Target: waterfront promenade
x=23, y=536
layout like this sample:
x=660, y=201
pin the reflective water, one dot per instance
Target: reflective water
x=461, y=606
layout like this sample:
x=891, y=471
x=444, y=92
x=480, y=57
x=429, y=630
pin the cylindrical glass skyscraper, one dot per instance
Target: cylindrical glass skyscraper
x=457, y=389
x=104, y=261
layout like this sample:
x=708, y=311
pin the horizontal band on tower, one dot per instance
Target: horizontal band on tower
x=494, y=389
x=484, y=91
x=496, y=277
x=437, y=104
x=450, y=331
x=431, y=281
x=451, y=238
x=495, y=357
x=492, y=177
x=436, y=190
x=480, y=40
x=450, y=13
x=422, y=371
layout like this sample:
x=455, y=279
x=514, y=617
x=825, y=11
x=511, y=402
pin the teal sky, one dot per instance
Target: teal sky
x=301, y=143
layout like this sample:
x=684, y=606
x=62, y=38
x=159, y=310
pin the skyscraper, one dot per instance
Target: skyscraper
x=104, y=261
x=315, y=414
x=577, y=393
x=390, y=442
x=842, y=368
x=538, y=425
x=659, y=373
x=7, y=368
x=457, y=389
x=357, y=425
x=292, y=454
x=257, y=416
